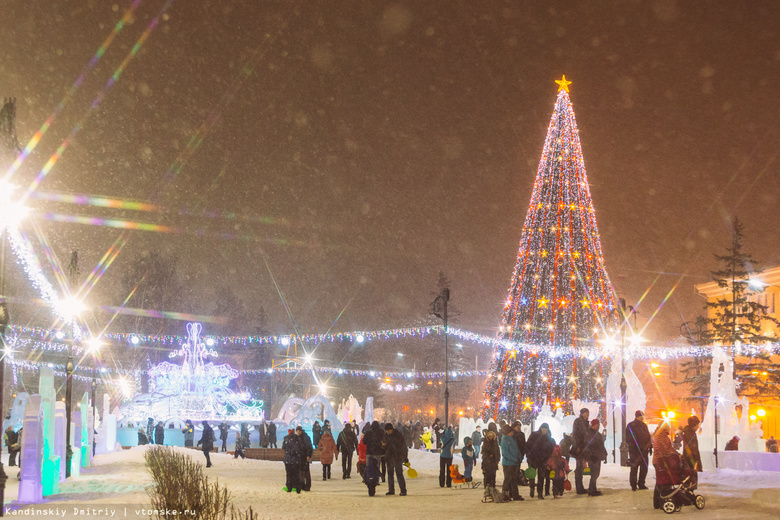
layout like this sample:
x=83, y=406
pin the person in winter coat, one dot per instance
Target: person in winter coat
x=223, y=435
x=426, y=439
x=159, y=433
x=238, y=451
x=406, y=431
x=347, y=442
x=294, y=456
x=327, y=447
x=207, y=442
x=678, y=439
x=520, y=440
x=396, y=454
x=12, y=441
x=417, y=432
x=491, y=457
x=272, y=435
x=640, y=443
x=540, y=447
x=691, y=455
x=445, y=458
x=189, y=434
x=469, y=459
x=771, y=445
x=476, y=441
x=150, y=429
x=436, y=434
x=308, y=450
x=666, y=461
x=326, y=427
x=143, y=440
x=733, y=444
x=565, y=445
x=594, y=453
x=510, y=460
x=316, y=432
x=579, y=438
x=361, y=451
x=559, y=467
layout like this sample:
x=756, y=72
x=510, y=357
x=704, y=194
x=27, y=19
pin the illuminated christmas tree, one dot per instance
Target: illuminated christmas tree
x=561, y=306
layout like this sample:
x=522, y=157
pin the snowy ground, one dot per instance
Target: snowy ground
x=117, y=483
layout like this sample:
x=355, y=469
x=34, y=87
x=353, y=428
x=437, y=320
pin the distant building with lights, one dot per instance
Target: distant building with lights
x=764, y=289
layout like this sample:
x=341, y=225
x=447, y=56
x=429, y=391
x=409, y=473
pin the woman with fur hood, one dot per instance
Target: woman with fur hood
x=491, y=458
x=328, y=450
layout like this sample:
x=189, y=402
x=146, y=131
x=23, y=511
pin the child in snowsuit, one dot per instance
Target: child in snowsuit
x=361, y=464
x=558, y=467
x=239, y=450
x=469, y=458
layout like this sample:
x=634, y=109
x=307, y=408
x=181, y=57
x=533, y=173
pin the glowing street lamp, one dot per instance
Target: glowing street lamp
x=761, y=412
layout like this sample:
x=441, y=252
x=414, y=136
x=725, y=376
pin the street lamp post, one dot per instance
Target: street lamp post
x=440, y=310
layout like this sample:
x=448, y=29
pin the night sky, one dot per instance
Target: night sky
x=365, y=146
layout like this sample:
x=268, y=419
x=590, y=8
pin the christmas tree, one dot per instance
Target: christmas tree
x=561, y=305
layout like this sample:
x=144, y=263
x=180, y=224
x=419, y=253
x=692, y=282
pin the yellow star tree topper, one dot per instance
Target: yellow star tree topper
x=563, y=84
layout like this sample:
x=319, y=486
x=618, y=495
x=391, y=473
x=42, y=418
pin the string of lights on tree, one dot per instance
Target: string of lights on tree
x=560, y=297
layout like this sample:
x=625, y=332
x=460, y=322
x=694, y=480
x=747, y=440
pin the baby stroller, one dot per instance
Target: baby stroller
x=675, y=486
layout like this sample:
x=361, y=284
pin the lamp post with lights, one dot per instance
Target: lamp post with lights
x=11, y=213
x=440, y=310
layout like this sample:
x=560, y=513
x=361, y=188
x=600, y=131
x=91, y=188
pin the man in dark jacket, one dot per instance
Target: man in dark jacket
x=207, y=442
x=308, y=450
x=445, y=457
x=293, y=456
x=640, y=442
x=565, y=445
x=316, y=432
x=143, y=440
x=159, y=433
x=346, y=445
x=12, y=441
x=396, y=454
x=691, y=454
x=579, y=440
x=540, y=446
x=272, y=435
x=476, y=441
x=594, y=452
x=223, y=435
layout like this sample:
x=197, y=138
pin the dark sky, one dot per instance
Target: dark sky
x=387, y=141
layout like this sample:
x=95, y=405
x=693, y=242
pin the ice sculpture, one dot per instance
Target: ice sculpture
x=86, y=422
x=106, y=438
x=17, y=411
x=50, y=474
x=350, y=409
x=314, y=409
x=369, y=409
x=289, y=409
x=30, y=487
x=59, y=436
x=636, y=399
x=195, y=389
x=75, y=444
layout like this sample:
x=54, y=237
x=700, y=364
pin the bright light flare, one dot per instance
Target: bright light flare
x=11, y=212
x=70, y=308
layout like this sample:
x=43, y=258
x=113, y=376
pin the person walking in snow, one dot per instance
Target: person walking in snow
x=294, y=456
x=189, y=434
x=159, y=433
x=316, y=432
x=346, y=444
x=476, y=441
x=579, y=439
x=207, y=442
x=327, y=447
x=445, y=457
x=594, y=453
x=540, y=447
x=510, y=461
x=272, y=435
x=491, y=457
x=223, y=435
x=640, y=443
x=558, y=466
x=396, y=454
x=308, y=450
x=13, y=442
x=469, y=459
x=238, y=451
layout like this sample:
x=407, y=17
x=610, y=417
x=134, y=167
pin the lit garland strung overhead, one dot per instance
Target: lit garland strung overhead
x=560, y=298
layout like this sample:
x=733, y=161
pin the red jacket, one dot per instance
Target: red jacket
x=361, y=449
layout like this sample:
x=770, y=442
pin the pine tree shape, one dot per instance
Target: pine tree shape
x=561, y=302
